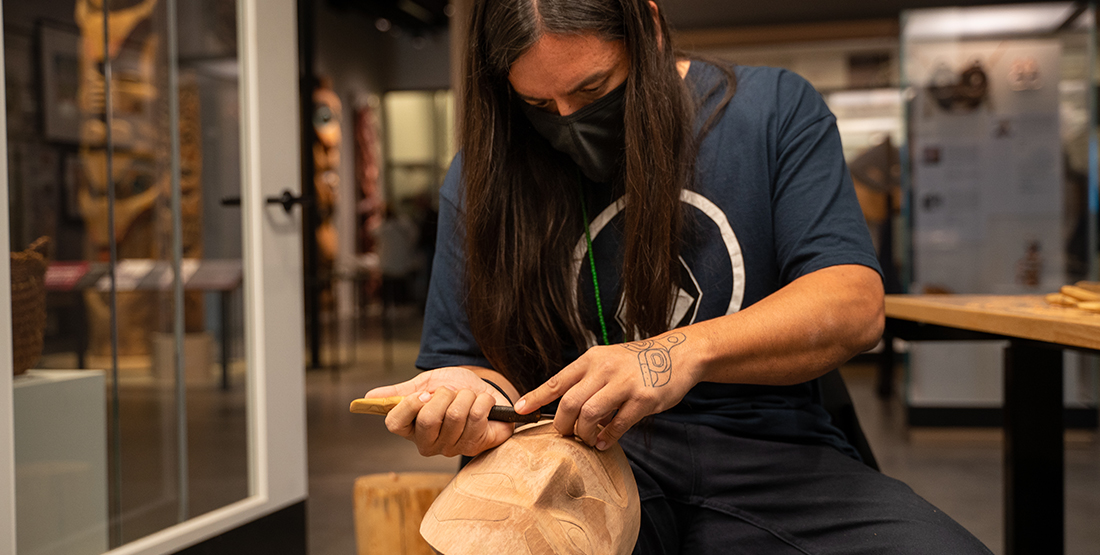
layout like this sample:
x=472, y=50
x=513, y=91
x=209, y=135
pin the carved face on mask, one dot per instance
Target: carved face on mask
x=538, y=493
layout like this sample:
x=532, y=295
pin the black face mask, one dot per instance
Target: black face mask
x=594, y=136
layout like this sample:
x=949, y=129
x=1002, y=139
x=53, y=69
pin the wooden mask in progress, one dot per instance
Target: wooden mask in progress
x=540, y=494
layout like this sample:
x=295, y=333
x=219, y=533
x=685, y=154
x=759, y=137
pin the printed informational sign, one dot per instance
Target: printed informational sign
x=987, y=170
x=988, y=194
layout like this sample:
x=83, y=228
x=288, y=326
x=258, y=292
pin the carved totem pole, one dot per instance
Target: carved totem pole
x=327, y=111
x=140, y=167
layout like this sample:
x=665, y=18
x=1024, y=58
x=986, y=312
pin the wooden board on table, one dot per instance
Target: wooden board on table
x=1021, y=316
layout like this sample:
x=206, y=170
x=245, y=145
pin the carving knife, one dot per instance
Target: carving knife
x=383, y=405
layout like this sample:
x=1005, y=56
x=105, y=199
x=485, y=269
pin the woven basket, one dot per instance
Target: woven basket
x=28, y=304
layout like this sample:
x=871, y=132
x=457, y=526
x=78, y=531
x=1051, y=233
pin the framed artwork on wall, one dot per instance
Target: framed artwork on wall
x=59, y=55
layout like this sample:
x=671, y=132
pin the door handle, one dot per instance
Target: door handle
x=287, y=199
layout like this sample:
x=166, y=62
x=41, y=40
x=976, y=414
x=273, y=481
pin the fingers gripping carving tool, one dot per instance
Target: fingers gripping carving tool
x=383, y=405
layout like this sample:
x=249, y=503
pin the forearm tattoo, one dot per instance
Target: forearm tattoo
x=653, y=358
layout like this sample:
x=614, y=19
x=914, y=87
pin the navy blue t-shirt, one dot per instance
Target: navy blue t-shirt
x=773, y=201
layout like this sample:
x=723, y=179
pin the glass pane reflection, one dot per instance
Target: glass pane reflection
x=90, y=143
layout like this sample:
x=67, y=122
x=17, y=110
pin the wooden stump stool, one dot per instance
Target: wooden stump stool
x=389, y=508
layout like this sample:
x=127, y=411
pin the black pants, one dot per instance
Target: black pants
x=704, y=491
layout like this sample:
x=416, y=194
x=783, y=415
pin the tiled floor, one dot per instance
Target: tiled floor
x=957, y=470
x=343, y=446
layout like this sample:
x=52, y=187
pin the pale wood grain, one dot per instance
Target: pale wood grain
x=389, y=509
x=539, y=494
x=379, y=405
x=1093, y=286
x=1019, y=316
x=1080, y=293
x=1060, y=299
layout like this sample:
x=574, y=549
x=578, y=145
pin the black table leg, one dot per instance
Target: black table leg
x=1034, y=456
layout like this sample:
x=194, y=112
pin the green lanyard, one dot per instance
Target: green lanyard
x=592, y=263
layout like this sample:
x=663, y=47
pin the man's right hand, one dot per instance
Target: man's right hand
x=446, y=412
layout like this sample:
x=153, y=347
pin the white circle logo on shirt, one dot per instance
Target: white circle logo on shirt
x=687, y=302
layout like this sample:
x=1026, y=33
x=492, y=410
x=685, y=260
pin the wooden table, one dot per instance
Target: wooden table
x=213, y=275
x=1037, y=334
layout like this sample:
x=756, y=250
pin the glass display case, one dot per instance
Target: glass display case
x=1000, y=180
x=123, y=138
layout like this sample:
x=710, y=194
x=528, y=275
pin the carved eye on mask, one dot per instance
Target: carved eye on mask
x=321, y=116
x=575, y=487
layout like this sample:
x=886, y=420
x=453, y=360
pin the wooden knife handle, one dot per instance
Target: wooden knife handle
x=383, y=405
x=378, y=405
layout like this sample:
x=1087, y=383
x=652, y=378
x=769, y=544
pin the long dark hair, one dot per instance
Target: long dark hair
x=522, y=211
